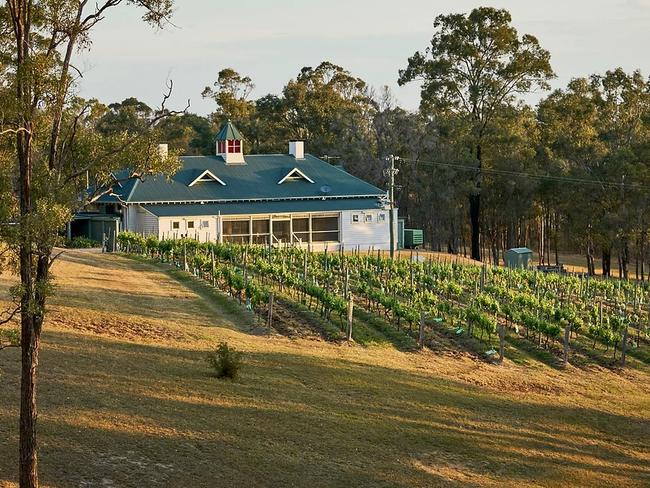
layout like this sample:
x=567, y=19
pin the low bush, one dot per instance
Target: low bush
x=225, y=361
x=82, y=243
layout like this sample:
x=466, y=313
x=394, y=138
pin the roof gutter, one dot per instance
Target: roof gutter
x=239, y=200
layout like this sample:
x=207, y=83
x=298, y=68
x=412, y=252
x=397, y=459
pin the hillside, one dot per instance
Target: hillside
x=126, y=399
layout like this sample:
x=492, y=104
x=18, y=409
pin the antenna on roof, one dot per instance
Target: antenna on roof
x=329, y=158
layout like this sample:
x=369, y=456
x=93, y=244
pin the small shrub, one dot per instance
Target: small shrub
x=81, y=243
x=225, y=361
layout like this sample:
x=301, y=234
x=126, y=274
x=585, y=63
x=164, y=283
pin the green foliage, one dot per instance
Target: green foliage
x=9, y=337
x=225, y=361
x=81, y=242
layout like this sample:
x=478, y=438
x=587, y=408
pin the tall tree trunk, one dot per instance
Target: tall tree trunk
x=541, y=239
x=556, y=231
x=591, y=269
x=475, y=210
x=607, y=261
x=625, y=258
x=30, y=314
x=30, y=324
x=642, y=252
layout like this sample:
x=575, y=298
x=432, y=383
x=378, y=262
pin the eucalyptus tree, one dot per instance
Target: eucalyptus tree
x=331, y=109
x=55, y=145
x=475, y=64
x=596, y=131
x=231, y=92
x=130, y=115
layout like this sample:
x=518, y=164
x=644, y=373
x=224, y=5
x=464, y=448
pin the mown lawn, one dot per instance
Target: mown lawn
x=127, y=400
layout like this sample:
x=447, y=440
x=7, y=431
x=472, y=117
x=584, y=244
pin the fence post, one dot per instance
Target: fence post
x=483, y=268
x=212, y=271
x=304, y=266
x=600, y=313
x=184, y=256
x=624, y=346
x=269, y=321
x=502, y=341
x=567, y=335
x=350, y=314
x=421, y=336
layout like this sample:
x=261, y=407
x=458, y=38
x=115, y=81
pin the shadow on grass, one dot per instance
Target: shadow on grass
x=138, y=415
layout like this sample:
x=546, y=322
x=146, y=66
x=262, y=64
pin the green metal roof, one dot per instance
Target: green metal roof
x=274, y=207
x=229, y=132
x=256, y=180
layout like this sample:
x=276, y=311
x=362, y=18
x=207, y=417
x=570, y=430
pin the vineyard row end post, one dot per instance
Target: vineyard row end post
x=502, y=341
x=269, y=320
x=350, y=315
x=567, y=335
x=421, y=335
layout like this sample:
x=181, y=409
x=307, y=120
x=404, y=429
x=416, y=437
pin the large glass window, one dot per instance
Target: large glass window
x=261, y=232
x=236, y=231
x=300, y=229
x=324, y=229
x=281, y=231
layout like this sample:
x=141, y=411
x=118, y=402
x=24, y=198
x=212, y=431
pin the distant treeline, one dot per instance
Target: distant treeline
x=479, y=170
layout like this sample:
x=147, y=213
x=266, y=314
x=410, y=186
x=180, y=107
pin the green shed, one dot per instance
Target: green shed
x=518, y=257
x=413, y=238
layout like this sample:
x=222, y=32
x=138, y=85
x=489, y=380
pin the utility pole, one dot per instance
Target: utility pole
x=391, y=172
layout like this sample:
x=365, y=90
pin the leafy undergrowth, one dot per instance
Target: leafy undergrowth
x=143, y=408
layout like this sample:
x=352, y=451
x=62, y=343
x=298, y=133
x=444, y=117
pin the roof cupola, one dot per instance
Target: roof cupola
x=230, y=144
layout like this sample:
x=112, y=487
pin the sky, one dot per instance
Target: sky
x=271, y=40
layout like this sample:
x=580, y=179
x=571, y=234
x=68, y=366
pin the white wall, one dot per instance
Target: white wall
x=371, y=229
x=147, y=222
x=205, y=227
x=137, y=219
x=364, y=234
x=131, y=219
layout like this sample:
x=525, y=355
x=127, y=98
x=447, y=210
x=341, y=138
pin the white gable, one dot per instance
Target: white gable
x=206, y=177
x=295, y=174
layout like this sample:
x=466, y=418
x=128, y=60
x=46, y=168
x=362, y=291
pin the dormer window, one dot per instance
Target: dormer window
x=295, y=175
x=206, y=177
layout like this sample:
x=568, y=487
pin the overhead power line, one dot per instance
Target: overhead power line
x=522, y=174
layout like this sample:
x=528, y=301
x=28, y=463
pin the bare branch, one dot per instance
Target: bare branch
x=12, y=314
x=56, y=257
x=162, y=114
x=15, y=131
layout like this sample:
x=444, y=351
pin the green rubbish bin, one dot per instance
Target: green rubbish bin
x=413, y=238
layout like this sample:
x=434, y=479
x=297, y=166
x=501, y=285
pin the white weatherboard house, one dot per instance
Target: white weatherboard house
x=291, y=198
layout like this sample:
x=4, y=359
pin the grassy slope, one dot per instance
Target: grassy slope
x=126, y=400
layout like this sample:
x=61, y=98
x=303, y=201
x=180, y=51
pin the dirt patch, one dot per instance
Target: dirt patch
x=291, y=323
x=125, y=327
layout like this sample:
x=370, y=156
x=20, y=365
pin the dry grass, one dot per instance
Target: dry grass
x=126, y=400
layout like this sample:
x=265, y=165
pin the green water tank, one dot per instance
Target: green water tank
x=413, y=238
